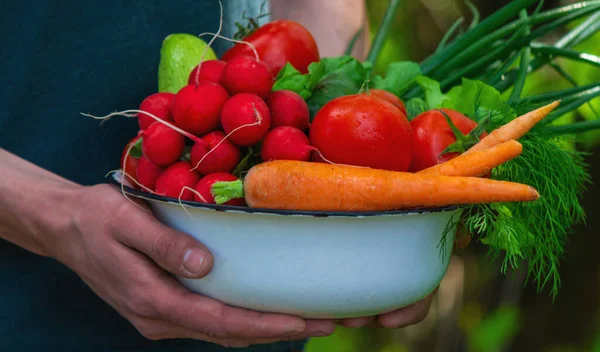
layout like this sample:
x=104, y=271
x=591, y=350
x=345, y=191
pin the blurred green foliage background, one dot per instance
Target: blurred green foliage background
x=477, y=308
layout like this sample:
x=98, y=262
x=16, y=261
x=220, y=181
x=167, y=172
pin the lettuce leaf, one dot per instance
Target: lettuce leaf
x=476, y=99
x=473, y=98
x=334, y=77
x=291, y=79
x=326, y=80
x=434, y=98
x=398, y=78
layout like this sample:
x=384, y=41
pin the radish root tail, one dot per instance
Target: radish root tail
x=197, y=78
x=193, y=191
x=232, y=40
x=116, y=113
x=134, y=112
x=332, y=163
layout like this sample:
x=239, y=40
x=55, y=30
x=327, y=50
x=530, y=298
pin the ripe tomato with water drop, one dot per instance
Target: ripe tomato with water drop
x=363, y=130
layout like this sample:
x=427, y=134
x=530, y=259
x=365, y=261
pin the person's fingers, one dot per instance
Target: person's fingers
x=168, y=331
x=160, y=330
x=357, y=322
x=174, y=251
x=198, y=313
x=406, y=316
x=253, y=327
x=163, y=321
x=319, y=327
x=314, y=328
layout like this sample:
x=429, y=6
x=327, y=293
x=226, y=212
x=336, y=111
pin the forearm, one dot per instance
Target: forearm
x=34, y=203
x=333, y=23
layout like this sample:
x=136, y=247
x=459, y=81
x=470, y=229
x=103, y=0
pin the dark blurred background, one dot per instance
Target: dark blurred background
x=477, y=308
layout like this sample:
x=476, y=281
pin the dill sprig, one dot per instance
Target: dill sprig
x=534, y=231
x=515, y=232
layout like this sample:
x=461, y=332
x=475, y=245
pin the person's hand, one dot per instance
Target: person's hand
x=399, y=318
x=125, y=256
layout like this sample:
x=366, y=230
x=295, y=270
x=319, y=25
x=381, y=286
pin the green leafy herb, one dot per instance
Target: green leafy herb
x=289, y=78
x=187, y=153
x=326, y=80
x=136, y=150
x=472, y=95
x=536, y=231
x=337, y=78
x=473, y=98
x=433, y=93
x=415, y=107
x=531, y=231
x=398, y=78
x=250, y=159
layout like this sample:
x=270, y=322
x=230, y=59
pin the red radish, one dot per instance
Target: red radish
x=162, y=145
x=203, y=187
x=147, y=173
x=197, y=109
x=286, y=143
x=288, y=109
x=244, y=74
x=159, y=105
x=132, y=163
x=210, y=71
x=245, y=119
x=223, y=156
x=173, y=179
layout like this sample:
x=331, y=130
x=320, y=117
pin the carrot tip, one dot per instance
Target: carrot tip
x=536, y=194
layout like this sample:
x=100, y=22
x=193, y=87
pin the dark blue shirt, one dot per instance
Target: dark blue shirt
x=60, y=58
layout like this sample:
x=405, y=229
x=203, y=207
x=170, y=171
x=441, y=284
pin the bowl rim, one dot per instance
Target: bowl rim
x=239, y=209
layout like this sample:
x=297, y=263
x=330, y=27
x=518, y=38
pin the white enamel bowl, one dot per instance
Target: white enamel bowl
x=314, y=265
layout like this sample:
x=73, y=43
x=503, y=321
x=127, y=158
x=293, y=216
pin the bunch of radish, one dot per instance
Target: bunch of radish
x=194, y=138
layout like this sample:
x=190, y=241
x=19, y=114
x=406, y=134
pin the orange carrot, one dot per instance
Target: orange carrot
x=309, y=186
x=515, y=129
x=477, y=163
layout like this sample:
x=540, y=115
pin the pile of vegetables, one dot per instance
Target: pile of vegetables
x=287, y=129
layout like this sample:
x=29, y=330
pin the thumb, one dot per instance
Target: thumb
x=176, y=252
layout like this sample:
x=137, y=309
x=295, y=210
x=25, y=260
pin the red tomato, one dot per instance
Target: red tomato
x=391, y=97
x=131, y=164
x=432, y=134
x=363, y=130
x=277, y=43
